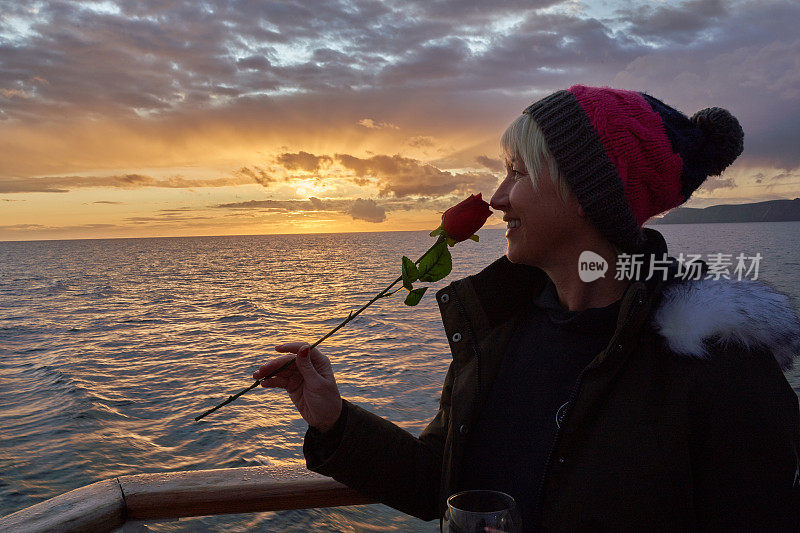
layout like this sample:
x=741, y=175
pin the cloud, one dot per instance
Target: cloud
x=492, y=164
x=14, y=93
x=141, y=66
x=781, y=176
x=21, y=226
x=303, y=161
x=421, y=141
x=177, y=209
x=429, y=64
x=359, y=209
x=18, y=227
x=271, y=70
x=680, y=23
x=715, y=182
x=257, y=174
x=280, y=205
x=402, y=176
x=394, y=175
x=63, y=184
x=109, y=202
x=169, y=218
x=367, y=209
x=745, y=61
x=374, y=125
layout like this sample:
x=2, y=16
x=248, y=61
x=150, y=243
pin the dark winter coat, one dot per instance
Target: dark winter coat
x=684, y=421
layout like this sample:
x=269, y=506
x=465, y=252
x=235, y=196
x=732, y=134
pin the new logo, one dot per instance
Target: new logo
x=591, y=266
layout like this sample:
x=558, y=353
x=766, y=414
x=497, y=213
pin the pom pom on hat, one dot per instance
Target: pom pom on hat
x=724, y=138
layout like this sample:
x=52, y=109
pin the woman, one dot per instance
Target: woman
x=620, y=403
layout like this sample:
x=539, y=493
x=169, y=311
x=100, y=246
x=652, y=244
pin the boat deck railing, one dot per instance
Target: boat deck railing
x=107, y=505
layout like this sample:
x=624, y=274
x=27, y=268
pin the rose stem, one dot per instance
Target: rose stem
x=350, y=317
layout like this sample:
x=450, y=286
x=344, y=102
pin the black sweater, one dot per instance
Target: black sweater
x=517, y=426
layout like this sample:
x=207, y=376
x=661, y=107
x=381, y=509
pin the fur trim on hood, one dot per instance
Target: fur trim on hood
x=746, y=312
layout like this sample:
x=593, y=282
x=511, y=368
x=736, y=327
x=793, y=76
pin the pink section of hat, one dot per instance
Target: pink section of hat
x=635, y=140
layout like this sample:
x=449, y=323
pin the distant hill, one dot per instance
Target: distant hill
x=770, y=211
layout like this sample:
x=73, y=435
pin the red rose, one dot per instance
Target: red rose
x=462, y=220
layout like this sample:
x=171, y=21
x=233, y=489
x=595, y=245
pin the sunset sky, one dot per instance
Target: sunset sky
x=156, y=118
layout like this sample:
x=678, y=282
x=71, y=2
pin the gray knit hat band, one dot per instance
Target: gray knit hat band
x=583, y=162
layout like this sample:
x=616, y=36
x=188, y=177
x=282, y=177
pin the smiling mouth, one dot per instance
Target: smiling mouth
x=513, y=223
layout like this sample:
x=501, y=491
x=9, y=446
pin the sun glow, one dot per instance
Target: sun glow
x=309, y=187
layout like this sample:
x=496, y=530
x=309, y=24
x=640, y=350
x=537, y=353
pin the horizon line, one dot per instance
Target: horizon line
x=648, y=223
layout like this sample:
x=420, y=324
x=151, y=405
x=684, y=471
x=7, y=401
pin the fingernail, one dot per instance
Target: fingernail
x=303, y=351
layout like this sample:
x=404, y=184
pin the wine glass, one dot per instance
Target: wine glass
x=473, y=511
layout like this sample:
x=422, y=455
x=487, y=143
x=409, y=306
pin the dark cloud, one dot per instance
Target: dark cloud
x=680, y=23
x=359, y=209
x=715, y=182
x=21, y=226
x=178, y=209
x=774, y=136
x=548, y=52
x=257, y=174
x=402, y=176
x=63, y=184
x=426, y=64
x=169, y=218
x=109, y=202
x=279, y=205
x=745, y=61
x=157, y=57
x=492, y=164
x=49, y=231
x=14, y=227
x=367, y=210
x=472, y=12
x=304, y=161
x=254, y=63
x=184, y=66
x=153, y=59
x=421, y=141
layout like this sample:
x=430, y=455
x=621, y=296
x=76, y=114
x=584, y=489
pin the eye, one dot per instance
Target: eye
x=512, y=173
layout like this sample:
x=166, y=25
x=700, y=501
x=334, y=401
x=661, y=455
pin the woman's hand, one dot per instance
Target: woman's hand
x=309, y=382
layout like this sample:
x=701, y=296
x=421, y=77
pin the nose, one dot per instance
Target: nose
x=500, y=197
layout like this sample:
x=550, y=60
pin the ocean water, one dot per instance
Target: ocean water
x=110, y=348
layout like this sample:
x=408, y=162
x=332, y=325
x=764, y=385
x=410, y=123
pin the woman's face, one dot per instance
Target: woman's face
x=538, y=221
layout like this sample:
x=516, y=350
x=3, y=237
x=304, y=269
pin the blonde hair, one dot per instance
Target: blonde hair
x=523, y=139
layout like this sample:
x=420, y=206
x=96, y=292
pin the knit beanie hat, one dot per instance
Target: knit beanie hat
x=628, y=156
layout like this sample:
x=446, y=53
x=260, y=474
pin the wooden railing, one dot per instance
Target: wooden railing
x=106, y=505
